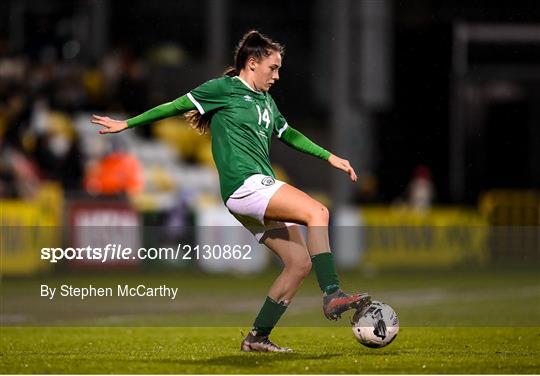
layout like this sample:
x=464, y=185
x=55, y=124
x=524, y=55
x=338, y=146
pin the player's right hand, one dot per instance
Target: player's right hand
x=111, y=126
x=344, y=165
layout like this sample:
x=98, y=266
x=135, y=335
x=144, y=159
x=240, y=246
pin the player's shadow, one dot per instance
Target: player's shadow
x=257, y=359
x=383, y=353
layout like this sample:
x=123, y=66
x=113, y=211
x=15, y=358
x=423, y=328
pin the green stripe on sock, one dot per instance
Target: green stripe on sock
x=325, y=269
x=268, y=316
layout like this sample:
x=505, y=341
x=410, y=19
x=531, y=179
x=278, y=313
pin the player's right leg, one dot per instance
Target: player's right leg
x=288, y=244
x=289, y=204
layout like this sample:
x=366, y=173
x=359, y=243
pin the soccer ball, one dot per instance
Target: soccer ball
x=376, y=326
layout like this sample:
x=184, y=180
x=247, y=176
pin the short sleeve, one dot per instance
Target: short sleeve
x=280, y=124
x=211, y=96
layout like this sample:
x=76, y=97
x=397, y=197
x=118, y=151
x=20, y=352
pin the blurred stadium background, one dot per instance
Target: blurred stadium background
x=435, y=104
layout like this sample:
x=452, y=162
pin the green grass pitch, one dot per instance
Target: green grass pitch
x=215, y=350
x=451, y=322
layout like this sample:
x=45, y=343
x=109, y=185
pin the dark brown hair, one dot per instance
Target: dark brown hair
x=252, y=44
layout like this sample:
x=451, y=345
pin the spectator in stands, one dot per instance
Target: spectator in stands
x=19, y=175
x=57, y=151
x=116, y=173
x=421, y=190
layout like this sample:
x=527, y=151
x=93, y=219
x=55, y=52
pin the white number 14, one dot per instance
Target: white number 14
x=263, y=116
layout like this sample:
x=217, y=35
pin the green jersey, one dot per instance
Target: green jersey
x=242, y=124
x=243, y=121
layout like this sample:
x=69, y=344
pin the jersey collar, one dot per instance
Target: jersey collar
x=247, y=85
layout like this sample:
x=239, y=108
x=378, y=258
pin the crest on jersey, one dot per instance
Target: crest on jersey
x=268, y=180
x=247, y=98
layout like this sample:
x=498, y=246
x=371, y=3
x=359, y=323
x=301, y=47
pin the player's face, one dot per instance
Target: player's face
x=266, y=71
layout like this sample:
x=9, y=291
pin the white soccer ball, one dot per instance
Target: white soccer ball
x=376, y=326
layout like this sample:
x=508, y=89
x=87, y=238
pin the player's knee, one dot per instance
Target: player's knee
x=299, y=268
x=303, y=268
x=325, y=213
x=319, y=215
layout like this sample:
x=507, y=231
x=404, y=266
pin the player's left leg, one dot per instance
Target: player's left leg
x=288, y=244
x=290, y=204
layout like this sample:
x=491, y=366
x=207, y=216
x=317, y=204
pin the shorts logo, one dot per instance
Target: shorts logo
x=268, y=181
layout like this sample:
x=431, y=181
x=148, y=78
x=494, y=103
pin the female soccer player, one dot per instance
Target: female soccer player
x=242, y=117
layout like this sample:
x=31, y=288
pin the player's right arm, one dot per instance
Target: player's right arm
x=174, y=108
x=210, y=96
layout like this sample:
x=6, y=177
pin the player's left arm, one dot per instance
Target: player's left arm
x=298, y=141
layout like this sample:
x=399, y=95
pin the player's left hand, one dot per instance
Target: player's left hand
x=343, y=165
x=110, y=125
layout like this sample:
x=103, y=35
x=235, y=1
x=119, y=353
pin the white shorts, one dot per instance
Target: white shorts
x=248, y=204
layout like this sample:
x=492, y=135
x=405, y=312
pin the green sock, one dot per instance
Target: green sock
x=325, y=269
x=268, y=316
